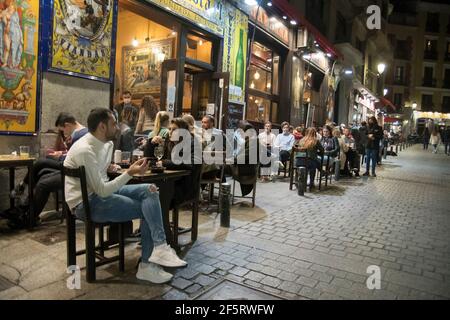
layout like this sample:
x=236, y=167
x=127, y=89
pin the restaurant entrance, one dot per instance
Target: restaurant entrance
x=161, y=55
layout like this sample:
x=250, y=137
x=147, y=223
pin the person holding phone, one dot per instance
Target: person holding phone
x=115, y=201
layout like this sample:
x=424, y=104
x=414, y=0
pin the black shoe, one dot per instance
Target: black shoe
x=374, y=175
x=357, y=174
x=366, y=174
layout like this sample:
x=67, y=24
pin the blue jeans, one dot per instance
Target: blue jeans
x=371, y=155
x=128, y=203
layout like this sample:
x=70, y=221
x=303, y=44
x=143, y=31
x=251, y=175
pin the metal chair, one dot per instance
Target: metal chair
x=93, y=252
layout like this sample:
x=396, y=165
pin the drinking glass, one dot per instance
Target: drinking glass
x=24, y=151
x=126, y=157
x=159, y=152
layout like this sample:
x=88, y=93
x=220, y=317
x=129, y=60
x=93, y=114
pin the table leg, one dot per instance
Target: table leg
x=32, y=217
x=11, y=186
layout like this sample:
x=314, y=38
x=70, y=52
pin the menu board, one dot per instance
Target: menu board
x=234, y=114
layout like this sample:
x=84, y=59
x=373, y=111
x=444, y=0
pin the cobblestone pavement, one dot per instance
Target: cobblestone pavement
x=314, y=247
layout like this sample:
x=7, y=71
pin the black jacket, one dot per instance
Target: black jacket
x=187, y=187
x=377, y=132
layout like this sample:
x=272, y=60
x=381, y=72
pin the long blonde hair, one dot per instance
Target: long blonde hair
x=161, y=121
x=310, y=139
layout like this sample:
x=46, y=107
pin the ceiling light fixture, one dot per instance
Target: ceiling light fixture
x=293, y=22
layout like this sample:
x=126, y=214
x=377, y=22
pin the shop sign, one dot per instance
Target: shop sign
x=271, y=24
x=207, y=14
x=235, y=52
x=366, y=102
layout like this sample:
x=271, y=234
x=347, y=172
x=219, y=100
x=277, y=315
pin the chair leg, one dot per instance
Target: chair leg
x=175, y=217
x=121, y=247
x=101, y=241
x=320, y=178
x=90, y=252
x=194, y=230
x=232, y=196
x=71, y=240
x=254, y=195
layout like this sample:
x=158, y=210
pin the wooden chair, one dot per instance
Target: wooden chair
x=194, y=203
x=92, y=251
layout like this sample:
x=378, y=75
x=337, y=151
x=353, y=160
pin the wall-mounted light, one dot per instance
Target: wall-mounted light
x=256, y=76
x=200, y=42
x=381, y=67
x=293, y=22
x=414, y=105
x=284, y=17
x=385, y=92
x=269, y=4
x=251, y=2
x=135, y=42
x=252, y=85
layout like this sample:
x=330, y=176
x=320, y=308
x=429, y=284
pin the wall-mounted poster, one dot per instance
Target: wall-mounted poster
x=19, y=23
x=141, y=66
x=82, y=38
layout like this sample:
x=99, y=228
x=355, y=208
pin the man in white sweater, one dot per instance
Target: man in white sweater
x=114, y=201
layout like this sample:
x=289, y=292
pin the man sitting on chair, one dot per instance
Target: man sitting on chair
x=114, y=201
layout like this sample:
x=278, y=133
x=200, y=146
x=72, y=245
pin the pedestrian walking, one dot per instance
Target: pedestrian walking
x=435, y=139
x=426, y=138
x=446, y=140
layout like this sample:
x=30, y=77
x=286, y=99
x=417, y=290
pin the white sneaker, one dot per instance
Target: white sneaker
x=153, y=273
x=280, y=165
x=165, y=256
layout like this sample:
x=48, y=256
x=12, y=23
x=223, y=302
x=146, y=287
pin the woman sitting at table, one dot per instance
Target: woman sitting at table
x=330, y=145
x=307, y=152
x=175, y=159
x=158, y=135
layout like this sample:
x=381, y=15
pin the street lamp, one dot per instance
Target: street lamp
x=381, y=67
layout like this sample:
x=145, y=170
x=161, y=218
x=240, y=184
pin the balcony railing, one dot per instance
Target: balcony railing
x=399, y=82
x=402, y=55
x=431, y=55
x=429, y=83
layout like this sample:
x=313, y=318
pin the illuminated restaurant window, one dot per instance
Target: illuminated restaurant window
x=263, y=84
x=198, y=48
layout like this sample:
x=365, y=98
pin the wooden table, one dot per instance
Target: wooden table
x=166, y=184
x=12, y=162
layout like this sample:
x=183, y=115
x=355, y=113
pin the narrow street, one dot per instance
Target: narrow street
x=314, y=247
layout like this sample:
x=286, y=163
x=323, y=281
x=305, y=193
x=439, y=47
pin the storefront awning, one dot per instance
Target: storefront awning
x=386, y=103
x=294, y=14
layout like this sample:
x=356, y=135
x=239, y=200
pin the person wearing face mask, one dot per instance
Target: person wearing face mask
x=284, y=143
x=127, y=115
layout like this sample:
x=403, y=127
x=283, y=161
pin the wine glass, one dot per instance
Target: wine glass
x=159, y=152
